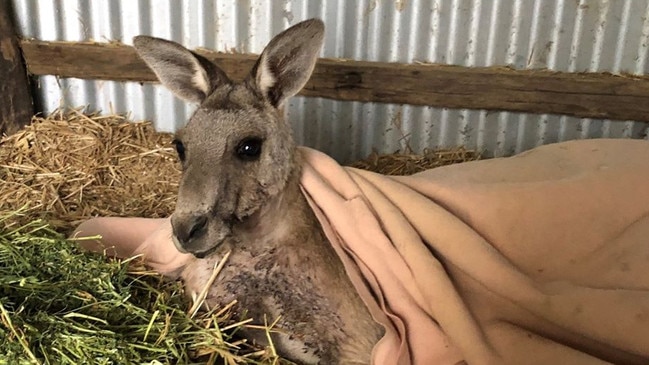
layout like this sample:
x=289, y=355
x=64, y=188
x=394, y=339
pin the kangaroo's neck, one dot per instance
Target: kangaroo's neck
x=286, y=215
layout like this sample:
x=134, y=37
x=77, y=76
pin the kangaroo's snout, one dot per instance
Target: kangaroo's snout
x=197, y=234
x=187, y=229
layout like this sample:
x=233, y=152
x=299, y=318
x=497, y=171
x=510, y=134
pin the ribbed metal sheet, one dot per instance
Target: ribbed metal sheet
x=564, y=35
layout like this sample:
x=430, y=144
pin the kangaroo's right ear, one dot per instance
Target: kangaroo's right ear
x=188, y=75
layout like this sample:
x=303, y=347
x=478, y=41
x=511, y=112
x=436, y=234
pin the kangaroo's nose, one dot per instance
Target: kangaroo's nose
x=188, y=227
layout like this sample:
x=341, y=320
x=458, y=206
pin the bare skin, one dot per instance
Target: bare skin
x=240, y=192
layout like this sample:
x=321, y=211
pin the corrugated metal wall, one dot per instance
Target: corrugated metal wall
x=564, y=35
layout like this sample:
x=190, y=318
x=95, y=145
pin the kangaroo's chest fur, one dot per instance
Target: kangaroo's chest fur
x=297, y=277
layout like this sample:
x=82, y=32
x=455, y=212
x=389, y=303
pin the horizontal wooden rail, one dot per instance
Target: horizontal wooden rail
x=587, y=95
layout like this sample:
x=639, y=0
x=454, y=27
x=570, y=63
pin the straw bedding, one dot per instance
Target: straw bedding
x=60, y=305
x=71, y=166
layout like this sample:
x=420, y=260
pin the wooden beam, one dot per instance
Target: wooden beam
x=588, y=95
x=16, y=104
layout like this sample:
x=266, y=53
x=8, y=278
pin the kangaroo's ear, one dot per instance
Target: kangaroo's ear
x=188, y=75
x=286, y=64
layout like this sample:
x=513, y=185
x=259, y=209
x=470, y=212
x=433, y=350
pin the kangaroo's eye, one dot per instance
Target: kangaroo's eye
x=249, y=149
x=180, y=148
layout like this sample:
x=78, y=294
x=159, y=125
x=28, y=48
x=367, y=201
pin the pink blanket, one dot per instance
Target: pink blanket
x=541, y=258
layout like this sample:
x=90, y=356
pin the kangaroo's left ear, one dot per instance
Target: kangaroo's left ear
x=287, y=62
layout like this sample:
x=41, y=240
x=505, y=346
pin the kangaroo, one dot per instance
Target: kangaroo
x=240, y=192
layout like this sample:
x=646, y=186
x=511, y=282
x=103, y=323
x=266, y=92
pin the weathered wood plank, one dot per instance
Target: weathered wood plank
x=16, y=104
x=590, y=95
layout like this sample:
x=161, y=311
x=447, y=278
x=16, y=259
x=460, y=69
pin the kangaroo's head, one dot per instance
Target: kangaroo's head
x=236, y=150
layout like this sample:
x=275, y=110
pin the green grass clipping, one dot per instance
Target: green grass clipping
x=62, y=305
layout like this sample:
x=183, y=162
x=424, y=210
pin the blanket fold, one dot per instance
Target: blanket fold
x=540, y=258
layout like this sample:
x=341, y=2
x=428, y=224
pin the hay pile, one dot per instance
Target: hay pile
x=408, y=164
x=71, y=166
x=59, y=305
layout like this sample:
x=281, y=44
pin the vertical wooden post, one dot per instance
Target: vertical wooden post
x=16, y=103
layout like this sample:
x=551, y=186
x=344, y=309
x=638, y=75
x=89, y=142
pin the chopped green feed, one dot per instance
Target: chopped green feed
x=62, y=305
